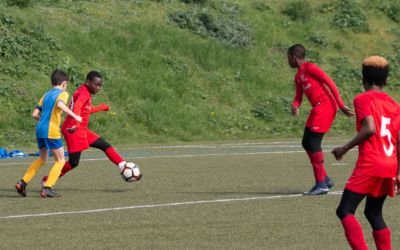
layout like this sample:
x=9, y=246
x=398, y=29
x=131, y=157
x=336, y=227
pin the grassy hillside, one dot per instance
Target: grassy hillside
x=185, y=70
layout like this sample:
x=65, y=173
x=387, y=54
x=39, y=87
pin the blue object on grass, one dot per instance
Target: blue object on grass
x=3, y=153
x=17, y=153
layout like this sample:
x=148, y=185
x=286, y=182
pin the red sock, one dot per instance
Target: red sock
x=325, y=174
x=317, y=162
x=382, y=239
x=113, y=155
x=67, y=167
x=354, y=233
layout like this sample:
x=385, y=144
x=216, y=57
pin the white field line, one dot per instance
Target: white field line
x=177, y=156
x=175, y=204
x=250, y=144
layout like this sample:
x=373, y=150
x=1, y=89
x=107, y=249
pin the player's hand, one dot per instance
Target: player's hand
x=72, y=129
x=104, y=107
x=397, y=185
x=78, y=118
x=295, y=111
x=339, y=152
x=348, y=111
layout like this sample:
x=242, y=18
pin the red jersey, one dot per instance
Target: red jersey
x=377, y=156
x=316, y=85
x=81, y=104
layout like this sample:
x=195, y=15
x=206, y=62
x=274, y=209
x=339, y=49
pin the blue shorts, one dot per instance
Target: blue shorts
x=49, y=143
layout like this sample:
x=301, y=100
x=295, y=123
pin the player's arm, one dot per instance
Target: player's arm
x=37, y=110
x=367, y=129
x=101, y=107
x=36, y=114
x=61, y=105
x=77, y=109
x=321, y=76
x=297, y=100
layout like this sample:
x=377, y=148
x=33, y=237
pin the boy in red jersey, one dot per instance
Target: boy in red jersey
x=324, y=97
x=77, y=135
x=378, y=124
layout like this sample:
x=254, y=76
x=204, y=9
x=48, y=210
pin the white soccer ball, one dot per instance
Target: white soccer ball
x=131, y=172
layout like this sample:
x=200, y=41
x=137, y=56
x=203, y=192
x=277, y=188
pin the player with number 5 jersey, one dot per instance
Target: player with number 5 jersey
x=376, y=172
x=377, y=155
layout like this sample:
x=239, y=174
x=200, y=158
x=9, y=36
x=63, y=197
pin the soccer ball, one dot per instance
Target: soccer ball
x=130, y=172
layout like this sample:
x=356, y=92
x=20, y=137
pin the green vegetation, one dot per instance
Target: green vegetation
x=187, y=70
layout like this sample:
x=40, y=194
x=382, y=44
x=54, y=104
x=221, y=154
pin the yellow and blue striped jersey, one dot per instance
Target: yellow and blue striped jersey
x=50, y=118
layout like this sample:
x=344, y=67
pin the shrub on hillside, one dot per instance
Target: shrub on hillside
x=346, y=77
x=194, y=1
x=268, y=109
x=318, y=41
x=298, y=10
x=350, y=16
x=19, y=3
x=224, y=28
x=327, y=7
x=24, y=48
x=391, y=9
x=260, y=6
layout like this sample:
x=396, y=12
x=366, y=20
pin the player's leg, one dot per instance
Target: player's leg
x=73, y=161
x=32, y=170
x=312, y=144
x=373, y=212
x=109, y=150
x=352, y=228
x=59, y=161
x=76, y=143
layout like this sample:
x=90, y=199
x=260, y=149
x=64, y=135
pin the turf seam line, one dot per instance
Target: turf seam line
x=251, y=144
x=175, y=204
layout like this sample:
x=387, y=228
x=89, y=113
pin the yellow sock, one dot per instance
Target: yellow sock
x=33, y=168
x=54, y=173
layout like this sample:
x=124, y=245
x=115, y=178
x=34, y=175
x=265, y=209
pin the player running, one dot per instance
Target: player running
x=324, y=97
x=378, y=124
x=48, y=134
x=78, y=136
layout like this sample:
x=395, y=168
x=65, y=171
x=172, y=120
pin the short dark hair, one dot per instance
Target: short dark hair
x=93, y=74
x=58, y=77
x=375, y=70
x=297, y=50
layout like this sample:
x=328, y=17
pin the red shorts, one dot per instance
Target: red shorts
x=370, y=185
x=321, y=117
x=79, y=140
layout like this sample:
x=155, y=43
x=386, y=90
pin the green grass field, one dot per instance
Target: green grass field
x=232, y=195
